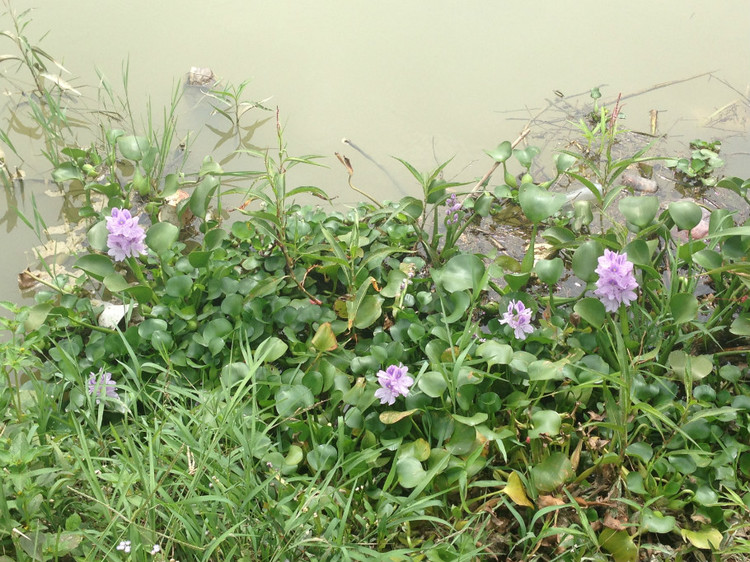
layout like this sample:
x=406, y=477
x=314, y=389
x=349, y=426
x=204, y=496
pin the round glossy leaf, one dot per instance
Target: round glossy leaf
x=476, y=419
x=179, y=286
x=537, y=203
x=370, y=309
x=323, y=457
x=638, y=252
x=114, y=282
x=269, y=350
x=495, y=353
x=290, y=399
x=232, y=305
x=639, y=211
x=97, y=236
x=685, y=214
x=133, y=148
x=549, y=271
x=640, y=450
x=95, y=265
x=410, y=472
x=147, y=328
x=390, y=417
x=684, y=307
x=462, y=272
x=586, y=259
x=462, y=440
x=526, y=155
x=619, y=544
x=516, y=281
x=545, y=421
x=502, y=152
x=162, y=236
x=432, y=383
x=552, y=472
x=563, y=162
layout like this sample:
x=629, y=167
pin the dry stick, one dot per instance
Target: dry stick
x=664, y=85
x=348, y=165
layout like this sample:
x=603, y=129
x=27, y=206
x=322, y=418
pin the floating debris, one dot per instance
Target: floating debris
x=200, y=77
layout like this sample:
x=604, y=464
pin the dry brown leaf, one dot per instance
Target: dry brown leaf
x=613, y=523
x=546, y=501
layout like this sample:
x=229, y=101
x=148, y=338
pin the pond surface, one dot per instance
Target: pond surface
x=422, y=81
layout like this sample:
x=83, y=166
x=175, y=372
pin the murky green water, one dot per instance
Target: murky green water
x=425, y=81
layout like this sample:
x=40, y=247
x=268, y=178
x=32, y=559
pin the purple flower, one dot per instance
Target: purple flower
x=101, y=385
x=126, y=237
x=394, y=382
x=616, y=282
x=518, y=317
x=453, y=207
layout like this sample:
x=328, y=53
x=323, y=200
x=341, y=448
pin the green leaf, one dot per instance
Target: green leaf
x=537, y=203
x=114, y=282
x=495, y=353
x=462, y=272
x=410, y=472
x=641, y=450
x=563, y=161
x=323, y=457
x=586, y=259
x=549, y=271
x=270, y=349
x=552, y=472
x=161, y=237
x=201, y=197
x=476, y=419
x=179, y=286
x=65, y=172
x=526, y=155
x=37, y=316
x=619, y=544
x=591, y=310
x=741, y=325
x=638, y=252
x=545, y=421
x=685, y=214
x=684, y=307
x=97, y=236
x=432, y=383
x=697, y=366
x=290, y=399
x=705, y=539
x=639, y=211
x=95, y=265
x=501, y=153
x=369, y=310
x=133, y=148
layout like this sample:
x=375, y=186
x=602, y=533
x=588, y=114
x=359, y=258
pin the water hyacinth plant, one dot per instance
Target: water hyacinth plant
x=252, y=427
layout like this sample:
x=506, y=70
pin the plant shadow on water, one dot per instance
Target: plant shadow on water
x=224, y=373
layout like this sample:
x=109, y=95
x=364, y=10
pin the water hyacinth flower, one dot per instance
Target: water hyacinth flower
x=101, y=385
x=616, y=284
x=518, y=317
x=394, y=382
x=126, y=237
x=453, y=207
